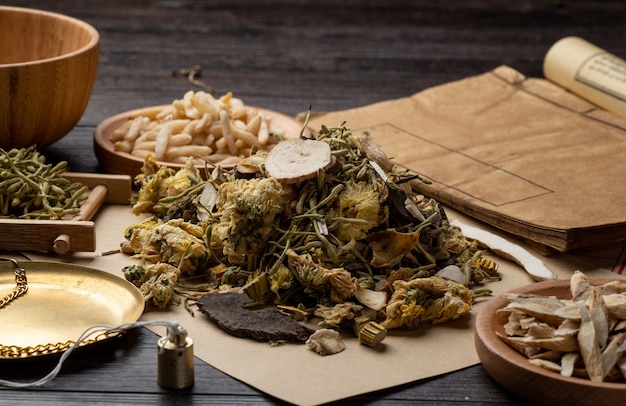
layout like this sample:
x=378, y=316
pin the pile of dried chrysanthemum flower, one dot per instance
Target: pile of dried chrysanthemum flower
x=327, y=226
x=584, y=336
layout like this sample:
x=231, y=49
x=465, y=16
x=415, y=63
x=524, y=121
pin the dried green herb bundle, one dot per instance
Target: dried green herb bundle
x=32, y=189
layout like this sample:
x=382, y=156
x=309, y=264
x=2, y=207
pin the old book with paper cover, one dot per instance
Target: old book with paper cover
x=525, y=155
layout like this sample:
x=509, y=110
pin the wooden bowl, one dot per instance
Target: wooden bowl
x=123, y=163
x=513, y=371
x=48, y=65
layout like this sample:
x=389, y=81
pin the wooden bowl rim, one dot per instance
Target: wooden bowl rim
x=104, y=146
x=94, y=35
x=487, y=321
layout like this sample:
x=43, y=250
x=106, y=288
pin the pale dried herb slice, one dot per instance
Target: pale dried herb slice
x=298, y=159
x=589, y=348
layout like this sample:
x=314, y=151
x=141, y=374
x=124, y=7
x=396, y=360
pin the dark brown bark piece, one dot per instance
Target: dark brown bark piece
x=228, y=312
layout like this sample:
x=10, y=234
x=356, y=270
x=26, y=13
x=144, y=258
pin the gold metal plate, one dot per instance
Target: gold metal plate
x=62, y=301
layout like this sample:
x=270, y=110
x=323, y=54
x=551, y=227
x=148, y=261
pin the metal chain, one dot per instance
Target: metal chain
x=20, y=282
x=14, y=351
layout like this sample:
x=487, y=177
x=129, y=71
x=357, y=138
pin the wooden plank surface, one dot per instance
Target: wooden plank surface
x=286, y=55
x=123, y=372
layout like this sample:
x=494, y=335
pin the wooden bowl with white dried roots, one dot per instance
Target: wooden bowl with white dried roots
x=119, y=161
x=513, y=371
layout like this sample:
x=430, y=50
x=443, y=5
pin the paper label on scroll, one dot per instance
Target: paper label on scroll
x=606, y=73
x=589, y=71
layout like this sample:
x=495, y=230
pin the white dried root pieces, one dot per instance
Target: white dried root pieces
x=506, y=249
x=298, y=159
x=218, y=130
x=373, y=299
x=326, y=341
x=584, y=336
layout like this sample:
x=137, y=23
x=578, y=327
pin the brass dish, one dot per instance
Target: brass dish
x=513, y=371
x=62, y=301
x=123, y=163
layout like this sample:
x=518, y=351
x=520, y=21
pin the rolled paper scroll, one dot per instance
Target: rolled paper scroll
x=588, y=71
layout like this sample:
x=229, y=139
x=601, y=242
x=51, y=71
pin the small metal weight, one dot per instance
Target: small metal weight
x=175, y=368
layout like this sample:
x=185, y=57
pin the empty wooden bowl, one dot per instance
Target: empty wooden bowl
x=48, y=65
x=513, y=371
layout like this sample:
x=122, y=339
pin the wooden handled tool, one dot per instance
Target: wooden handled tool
x=63, y=236
x=96, y=198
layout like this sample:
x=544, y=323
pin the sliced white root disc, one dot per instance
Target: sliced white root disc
x=298, y=159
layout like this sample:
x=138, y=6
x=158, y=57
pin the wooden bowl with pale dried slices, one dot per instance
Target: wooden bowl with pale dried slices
x=215, y=131
x=588, y=346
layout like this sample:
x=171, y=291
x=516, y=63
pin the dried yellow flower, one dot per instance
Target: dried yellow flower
x=432, y=299
x=359, y=201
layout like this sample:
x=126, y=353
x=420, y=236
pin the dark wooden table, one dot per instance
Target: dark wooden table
x=286, y=55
